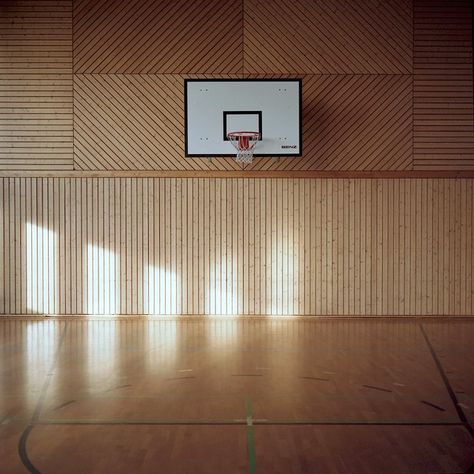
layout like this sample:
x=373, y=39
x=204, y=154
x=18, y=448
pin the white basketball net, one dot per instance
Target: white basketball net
x=244, y=143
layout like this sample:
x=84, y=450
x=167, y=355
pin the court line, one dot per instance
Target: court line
x=250, y=438
x=69, y=421
x=65, y=404
x=432, y=405
x=246, y=375
x=22, y=444
x=22, y=452
x=313, y=378
x=116, y=388
x=450, y=390
x=181, y=378
x=244, y=422
x=373, y=387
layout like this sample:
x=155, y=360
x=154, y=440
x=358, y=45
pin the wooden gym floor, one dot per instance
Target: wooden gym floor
x=236, y=395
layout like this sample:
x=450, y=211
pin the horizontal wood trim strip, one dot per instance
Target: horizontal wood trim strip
x=194, y=317
x=334, y=174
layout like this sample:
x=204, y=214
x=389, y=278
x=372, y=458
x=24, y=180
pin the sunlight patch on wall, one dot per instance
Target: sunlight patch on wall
x=222, y=294
x=284, y=270
x=162, y=291
x=41, y=270
x=102, y=281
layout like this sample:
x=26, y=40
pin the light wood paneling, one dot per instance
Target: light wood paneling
x=352, y=122
x=330, y=37
x=387, y=85
x=443, y=94
x=237, y=246
x=165, y=36
x=36, y=116
x=133, y=122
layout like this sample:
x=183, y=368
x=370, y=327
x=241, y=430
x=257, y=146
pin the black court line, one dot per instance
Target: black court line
x=450, y=390
x=181, y=378
x=313, y=378
x=246, y=375
x=432, y=405
x=22, y=451
x=380, y=389
x=244, y=422
x=116, y=388
x=65, y=404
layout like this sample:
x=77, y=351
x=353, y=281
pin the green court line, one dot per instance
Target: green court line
x=250, y=439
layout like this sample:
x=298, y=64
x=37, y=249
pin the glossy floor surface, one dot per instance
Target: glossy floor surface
x=236, y=395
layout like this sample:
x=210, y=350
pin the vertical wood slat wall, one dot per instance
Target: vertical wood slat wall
x=236, y=246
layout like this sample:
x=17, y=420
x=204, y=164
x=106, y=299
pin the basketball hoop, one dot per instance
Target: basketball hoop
x=244, y=143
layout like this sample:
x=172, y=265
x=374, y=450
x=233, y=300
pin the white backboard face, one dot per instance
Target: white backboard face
x=215, y=107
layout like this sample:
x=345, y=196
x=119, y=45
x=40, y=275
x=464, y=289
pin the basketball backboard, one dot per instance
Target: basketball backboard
x=215, y=107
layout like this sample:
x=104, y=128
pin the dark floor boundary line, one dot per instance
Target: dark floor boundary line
x=22, y=445
x=454, y=399
x=244, y=422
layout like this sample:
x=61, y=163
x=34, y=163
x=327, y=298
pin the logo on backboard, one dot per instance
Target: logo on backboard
x=289, y=146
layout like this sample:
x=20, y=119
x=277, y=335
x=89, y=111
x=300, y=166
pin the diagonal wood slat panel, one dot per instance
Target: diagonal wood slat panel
x=236, y=246
x=352, y=123
x=443, y=88
x=165, y=36
x=133, y=122
x=355, y=59
x=329, y=37
x=36, y=85
x=136, y=122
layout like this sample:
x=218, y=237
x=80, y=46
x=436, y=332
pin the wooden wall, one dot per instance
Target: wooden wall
x=237, y=246
x=95, y=87
x=36, y=102
x=98, y=84
x=443, y=99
